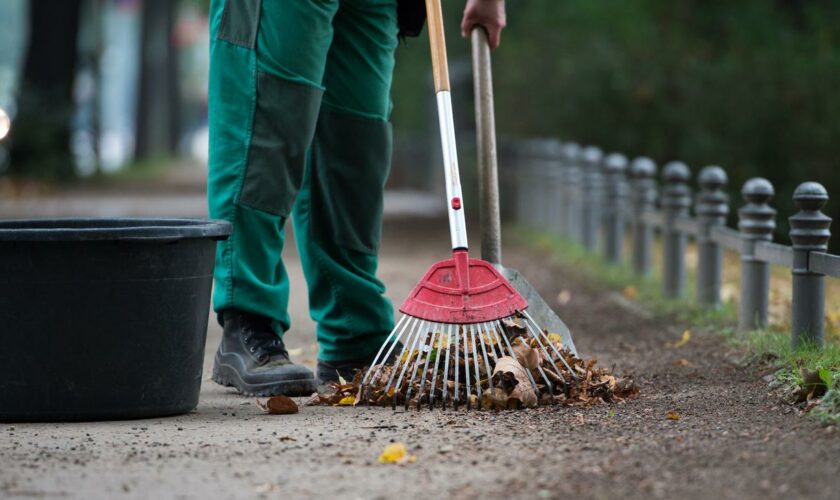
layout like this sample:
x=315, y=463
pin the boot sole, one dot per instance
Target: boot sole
x=227, y=376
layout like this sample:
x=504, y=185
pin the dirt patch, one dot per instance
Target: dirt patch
x=725, y=437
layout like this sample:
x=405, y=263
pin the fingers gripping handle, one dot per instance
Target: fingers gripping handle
x=457, y=222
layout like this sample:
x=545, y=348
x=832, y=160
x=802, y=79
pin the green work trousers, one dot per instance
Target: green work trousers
x=299, y=104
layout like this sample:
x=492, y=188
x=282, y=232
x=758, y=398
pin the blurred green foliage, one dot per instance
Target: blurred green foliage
x=752, y=85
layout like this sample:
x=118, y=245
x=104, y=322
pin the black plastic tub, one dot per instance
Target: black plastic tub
x=103, y=318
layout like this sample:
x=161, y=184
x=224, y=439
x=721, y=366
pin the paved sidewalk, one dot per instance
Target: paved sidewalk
x=730, y=442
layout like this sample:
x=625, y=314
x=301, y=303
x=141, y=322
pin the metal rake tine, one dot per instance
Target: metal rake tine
x=435, y=370
x=378, y=363
x=424, y=374
x=377, y=360
x=533, y=324
x=406, y=346
x=486, y=359
x=545, y=352
x=445, y=385
x=457, y=397
x=426, y=364
x=382, y=347
x=467, y=366
x=414, y=335
x=416, y=365
x=476, y=371
x=501, y=331
x=491, y=331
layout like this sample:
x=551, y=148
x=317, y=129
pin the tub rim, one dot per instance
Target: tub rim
x=140, y=229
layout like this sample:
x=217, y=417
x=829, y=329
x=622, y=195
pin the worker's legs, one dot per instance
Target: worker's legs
x=267, y=65
x=266, y=68
x=338, y=215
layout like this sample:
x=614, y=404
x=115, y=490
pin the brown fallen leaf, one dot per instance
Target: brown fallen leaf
x=519, y=387
x=681, y=362
x=813, y=384
x=279, y=405
x=672, y=415
x=495, y=399
x=527, y=356
x=630, y=292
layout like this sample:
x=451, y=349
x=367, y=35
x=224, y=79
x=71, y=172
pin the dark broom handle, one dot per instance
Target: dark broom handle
x=485, y=127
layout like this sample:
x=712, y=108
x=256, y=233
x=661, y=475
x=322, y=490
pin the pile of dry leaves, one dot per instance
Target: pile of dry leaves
x=521, y=370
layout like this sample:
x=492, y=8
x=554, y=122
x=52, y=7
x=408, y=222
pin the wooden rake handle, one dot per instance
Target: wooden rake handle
x=437, y=40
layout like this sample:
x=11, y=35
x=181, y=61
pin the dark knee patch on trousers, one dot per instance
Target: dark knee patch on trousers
x=240, y=22
x=351, y=160
x=284, y=123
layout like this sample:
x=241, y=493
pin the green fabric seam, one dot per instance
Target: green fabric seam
x=241, y=180
x=290, y=76
x=358, y=114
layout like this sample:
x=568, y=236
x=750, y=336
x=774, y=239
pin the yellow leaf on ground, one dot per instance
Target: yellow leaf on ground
x=555, y=338
x=630, y=292
x=396, y=453
x=347, y=401
x=681, y=362
x=686, y=337
x=672, y=415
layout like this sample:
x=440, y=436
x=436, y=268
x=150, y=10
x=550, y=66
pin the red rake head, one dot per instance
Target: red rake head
x=462, y=290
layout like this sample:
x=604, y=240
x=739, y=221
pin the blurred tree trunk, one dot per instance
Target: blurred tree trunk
x=41, y=131
x=158, y=102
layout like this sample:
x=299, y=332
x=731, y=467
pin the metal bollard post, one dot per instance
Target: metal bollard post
x=560, y=189
x=809, y=232
x=712, y=207
x=756, y=221
x=592, y=185
x=615, y=166
x=643, y=175
x=572, y=197
x=553, y=162
x=676, y=200
x=538, y=199
x=542, y=158
x=524, y=185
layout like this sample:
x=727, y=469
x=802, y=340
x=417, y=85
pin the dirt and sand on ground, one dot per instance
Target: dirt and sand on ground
x=731, y=439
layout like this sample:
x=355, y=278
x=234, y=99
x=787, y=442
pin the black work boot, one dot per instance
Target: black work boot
x=253, y=359
x=330, y=371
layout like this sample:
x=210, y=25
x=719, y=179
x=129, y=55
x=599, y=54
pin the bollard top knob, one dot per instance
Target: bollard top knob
x=712, y=178
x=676, y=172
x=810, y=196
x=757, y=219
x=592, y=155
x=809, y=228
x=643, y=168
x=615, y=163
x=571, y=151
x=712, y=203
x=758, y=190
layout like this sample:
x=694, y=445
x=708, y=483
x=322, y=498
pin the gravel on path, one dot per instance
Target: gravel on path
x=731, y=440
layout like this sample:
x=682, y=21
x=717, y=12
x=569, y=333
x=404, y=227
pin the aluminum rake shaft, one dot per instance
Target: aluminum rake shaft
x=425, y=363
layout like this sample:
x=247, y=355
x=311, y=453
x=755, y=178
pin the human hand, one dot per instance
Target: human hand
x=489, y=14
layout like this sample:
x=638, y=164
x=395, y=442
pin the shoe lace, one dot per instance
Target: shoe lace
x=264, y=343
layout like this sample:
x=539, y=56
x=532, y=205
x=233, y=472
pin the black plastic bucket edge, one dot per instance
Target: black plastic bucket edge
x=112, y=229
